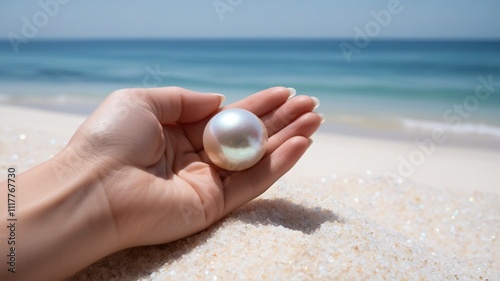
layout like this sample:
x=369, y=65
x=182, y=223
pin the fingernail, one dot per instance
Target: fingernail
x=292, y=92
x=322, y=116
x=222, y=98
x=316, y=102
x=310, y=141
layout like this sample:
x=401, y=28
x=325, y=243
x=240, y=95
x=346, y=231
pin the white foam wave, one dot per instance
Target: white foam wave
x=458, y=129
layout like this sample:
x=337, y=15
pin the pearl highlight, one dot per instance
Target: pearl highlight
x=235, y=139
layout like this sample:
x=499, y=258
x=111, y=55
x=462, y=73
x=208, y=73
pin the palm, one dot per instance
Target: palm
x=165, y=188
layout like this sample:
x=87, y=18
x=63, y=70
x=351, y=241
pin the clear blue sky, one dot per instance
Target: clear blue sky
x=251, y=18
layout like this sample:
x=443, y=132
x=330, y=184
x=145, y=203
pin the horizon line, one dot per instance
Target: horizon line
x=263, y=38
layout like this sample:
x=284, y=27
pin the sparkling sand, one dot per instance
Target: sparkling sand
x=353, y=227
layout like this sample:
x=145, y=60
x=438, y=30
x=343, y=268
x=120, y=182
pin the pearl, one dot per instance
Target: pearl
x=235, y=139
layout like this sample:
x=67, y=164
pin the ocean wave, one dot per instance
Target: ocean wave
x=467, y=128
x=414, y=126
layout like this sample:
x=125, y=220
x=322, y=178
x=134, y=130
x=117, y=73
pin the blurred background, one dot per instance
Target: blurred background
x=384, y=68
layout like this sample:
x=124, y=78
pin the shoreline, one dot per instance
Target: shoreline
x=355, y=126
x=335, y=152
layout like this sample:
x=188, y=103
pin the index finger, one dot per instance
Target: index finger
x=264, y=101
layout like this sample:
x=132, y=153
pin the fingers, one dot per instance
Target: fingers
x=289, y=126
x=305, y=125
x=286, y=114
x=248, y=184
x=293, y=118
x=263, y=101
x=173, y=104
x=260, y=104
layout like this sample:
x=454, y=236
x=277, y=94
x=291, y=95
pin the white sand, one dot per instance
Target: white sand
x=334, y=216
x=451, y=167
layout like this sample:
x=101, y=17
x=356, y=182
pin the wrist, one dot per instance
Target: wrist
x=62, y=218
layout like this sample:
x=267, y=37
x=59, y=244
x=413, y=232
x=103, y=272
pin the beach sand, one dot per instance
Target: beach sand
x=343, y=212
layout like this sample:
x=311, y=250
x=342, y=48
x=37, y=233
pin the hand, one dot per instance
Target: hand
x=135, y=173
x=158, y=183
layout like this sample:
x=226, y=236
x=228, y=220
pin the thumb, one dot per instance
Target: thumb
x=174, y=104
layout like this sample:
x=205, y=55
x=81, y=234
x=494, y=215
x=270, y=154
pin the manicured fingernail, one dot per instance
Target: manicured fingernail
x=222, y=98
x=316, y=102
x=322, y=116
x=292, y=92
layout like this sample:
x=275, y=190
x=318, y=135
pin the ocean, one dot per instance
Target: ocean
x=410, y=85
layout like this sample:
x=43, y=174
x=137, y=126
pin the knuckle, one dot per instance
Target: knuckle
x=278, y=122
x=174, y=89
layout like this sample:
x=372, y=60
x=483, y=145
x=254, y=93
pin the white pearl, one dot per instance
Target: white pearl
x=235, y=139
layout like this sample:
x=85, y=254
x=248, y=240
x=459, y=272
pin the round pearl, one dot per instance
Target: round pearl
x=235, y=139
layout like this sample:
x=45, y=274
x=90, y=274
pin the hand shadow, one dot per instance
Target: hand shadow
x=140, y=262
x=280, y=212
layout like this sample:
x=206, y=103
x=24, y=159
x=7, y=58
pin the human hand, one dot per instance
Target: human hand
x=135, y=173
x=158, y=183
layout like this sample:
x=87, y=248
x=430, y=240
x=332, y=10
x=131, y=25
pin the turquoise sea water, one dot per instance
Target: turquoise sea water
x=414, y=84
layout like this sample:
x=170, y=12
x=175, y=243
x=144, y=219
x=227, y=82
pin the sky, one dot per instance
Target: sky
x=443, y=19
